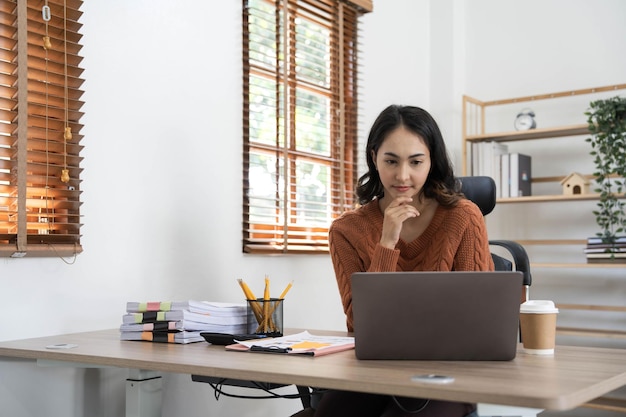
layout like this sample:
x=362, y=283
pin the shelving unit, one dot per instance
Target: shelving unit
x=474, y=118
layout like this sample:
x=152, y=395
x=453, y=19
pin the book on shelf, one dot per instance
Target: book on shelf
x=600, y=241
x=520, y=175
x=475, y=147
x=487, y=161
x=182, y=337
x=505, y=176
x=599, y=247
x=497, y=150
x=606, y=255
x=488, y=151
x=615, y=260
x=606, y=249
x=303, y=343
x=610, y=257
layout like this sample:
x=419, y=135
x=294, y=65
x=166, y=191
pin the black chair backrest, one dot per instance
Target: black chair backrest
x=482, y=191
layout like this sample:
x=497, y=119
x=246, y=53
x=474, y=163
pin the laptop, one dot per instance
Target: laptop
x=450, y=316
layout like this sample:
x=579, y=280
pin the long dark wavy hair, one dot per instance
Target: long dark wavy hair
x=440, y=184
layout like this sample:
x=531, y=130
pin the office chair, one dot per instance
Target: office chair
x=482, y=191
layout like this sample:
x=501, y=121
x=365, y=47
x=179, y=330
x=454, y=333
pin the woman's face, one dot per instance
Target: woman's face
x=403, y=163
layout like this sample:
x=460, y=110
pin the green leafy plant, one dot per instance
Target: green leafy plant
x=607, y=123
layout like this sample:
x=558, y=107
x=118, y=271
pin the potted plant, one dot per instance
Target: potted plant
x=607, y=123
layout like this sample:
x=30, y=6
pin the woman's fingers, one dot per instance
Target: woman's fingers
x=396, y=214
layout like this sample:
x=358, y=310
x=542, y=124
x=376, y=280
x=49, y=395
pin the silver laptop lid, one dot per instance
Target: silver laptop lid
x=458, y=315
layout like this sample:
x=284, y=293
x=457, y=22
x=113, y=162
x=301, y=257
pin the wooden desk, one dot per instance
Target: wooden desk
x=574, y=375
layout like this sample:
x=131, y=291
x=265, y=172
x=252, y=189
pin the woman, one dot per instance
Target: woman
x=412, y=218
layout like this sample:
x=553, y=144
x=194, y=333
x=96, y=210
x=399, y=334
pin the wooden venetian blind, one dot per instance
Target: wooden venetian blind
x=40, y=91
x=300, y=121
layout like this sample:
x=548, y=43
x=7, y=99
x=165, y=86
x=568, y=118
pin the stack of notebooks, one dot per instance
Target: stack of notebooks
x=181, y=321
x=599, y=252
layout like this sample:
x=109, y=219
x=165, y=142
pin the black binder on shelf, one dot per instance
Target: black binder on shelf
x=520, y=169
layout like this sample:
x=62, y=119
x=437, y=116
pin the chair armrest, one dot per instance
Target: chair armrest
x=519, y=255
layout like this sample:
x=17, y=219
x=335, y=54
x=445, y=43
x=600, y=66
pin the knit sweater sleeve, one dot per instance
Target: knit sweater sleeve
x=354, y=247
x=473, y=253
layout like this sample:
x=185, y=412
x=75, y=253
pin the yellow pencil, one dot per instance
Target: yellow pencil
x=256, y=309
x=280, y=299
x=285, y=291
x=266, y=293
x=266, y=305
x=246, y=290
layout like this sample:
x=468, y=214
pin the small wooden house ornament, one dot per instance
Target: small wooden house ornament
x=575, y=183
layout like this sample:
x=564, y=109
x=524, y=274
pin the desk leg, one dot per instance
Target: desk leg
x=143, y=393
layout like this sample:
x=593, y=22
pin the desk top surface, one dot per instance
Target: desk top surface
x=572, y=376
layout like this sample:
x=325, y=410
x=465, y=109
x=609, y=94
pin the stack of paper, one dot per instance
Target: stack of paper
x=181, y=321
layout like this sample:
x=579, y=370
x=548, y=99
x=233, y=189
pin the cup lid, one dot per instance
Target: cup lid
x=538, y=306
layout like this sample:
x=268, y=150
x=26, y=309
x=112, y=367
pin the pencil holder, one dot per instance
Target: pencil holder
x=265, y=316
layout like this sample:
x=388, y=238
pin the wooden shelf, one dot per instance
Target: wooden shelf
x=554, y=198
x=589, y=307
x=574, y=331
x=579, y=265
x=552, y=242
x=550, y=132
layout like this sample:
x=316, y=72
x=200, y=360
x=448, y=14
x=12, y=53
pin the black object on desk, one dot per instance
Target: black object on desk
x=224, y=339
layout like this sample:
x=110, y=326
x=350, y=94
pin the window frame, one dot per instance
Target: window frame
x=288, y=232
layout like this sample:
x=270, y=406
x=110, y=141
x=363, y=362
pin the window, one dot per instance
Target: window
x=300, y=120
x=40, y=91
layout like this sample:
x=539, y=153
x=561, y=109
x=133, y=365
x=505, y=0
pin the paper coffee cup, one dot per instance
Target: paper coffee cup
x=538, y=326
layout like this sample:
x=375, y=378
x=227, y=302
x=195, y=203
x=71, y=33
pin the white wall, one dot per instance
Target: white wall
x=179, y=92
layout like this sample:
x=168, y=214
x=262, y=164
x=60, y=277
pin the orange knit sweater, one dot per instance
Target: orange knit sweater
x=456, y=239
